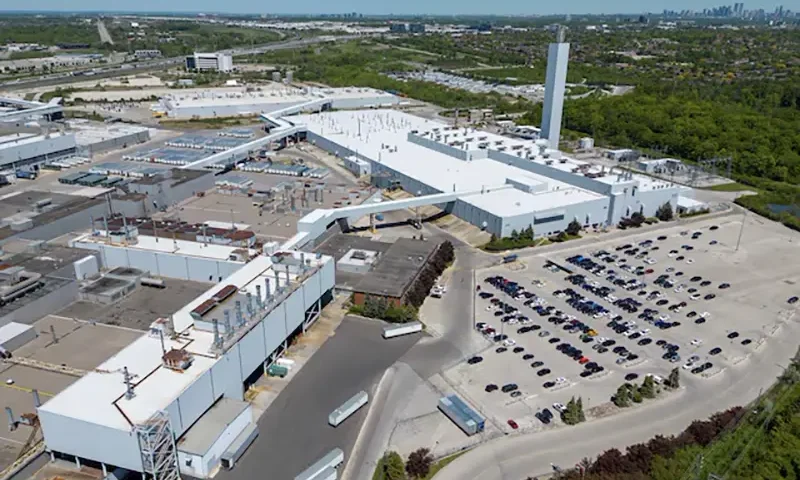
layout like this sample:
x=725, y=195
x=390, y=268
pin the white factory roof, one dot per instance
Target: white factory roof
x=383, y=130
x=269, y=95
x=88, y=133
x=166, y=245
x=23, y=140
x=99, y=396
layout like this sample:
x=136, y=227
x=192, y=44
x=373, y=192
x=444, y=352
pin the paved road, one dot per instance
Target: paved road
x=105, y=37
x=143, y=67
x=294, y=430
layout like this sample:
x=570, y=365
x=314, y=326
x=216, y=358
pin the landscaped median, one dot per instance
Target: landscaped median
x=420, y=465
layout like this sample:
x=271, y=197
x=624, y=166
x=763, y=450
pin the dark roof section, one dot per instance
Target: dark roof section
x=397, y=268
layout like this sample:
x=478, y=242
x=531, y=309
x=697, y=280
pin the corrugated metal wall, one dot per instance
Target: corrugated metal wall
x=92, y=441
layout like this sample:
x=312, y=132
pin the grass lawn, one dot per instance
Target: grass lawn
x=441, y=464
x=732, y=187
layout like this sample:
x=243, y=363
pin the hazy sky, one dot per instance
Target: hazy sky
x=500, y=7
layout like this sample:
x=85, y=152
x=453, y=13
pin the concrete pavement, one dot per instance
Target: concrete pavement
x=516, y=457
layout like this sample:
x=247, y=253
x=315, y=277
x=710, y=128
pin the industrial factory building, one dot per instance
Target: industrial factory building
x=219, y=62
x=173, y=400
x=225, y=103
x=522, y=183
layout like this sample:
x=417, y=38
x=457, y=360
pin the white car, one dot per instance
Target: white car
x=655, y=378
x=559, y=407
x=689, y=261
x=678, y=289
x=664, y=317
x=650, y=261
x=560, y=380
x=672, y=255
x=704, y=315
x=513, y=321
x=644, y=332
x=695, y=296
x=688, y=365
x=509, y=342
x=696, y=342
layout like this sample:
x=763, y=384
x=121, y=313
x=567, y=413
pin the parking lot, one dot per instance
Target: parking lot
x=643, y=305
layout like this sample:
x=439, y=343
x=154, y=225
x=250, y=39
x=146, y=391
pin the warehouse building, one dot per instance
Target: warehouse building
x=219, y=62
x=164, y=257
x=26, y=149
x=172, y=401
x=225, y=103
x=548, y=190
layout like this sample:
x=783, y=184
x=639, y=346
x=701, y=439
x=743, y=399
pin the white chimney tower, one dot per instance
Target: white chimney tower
x=555, y=83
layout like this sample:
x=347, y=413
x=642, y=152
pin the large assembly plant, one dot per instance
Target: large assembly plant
x=149, y=280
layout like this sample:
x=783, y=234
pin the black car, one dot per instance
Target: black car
x=662, y=237
x=705, y=283
x=700, y=320
x=733, y=335
x=645, y=341
x=549, y=384
x=491, y=388
x=519, y=349
x=715, y=351
x=680, y=258
x=500, y=338
x=661, y=342
x=696, y=278
x=618, y=349
x=602, y=350
x=631, y=377
x=746, y=341
x=710, y=296
x=793, y=300
x=691, y=314
x=632, y=356
x=586, y=373
x=527, y=356
x=509, y=387
x=662, y=302
x=713, y=227
x=537, y=364
x=678, y=274
x=501, y=349
x=474, y=360
x=543, y=372
x=554, y=340
x=724, y=285
x=608, y=343
x=542, y=418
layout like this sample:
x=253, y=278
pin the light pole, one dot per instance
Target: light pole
x=741, y=230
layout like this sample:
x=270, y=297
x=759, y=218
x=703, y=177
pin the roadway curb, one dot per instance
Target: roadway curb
x=348, y=473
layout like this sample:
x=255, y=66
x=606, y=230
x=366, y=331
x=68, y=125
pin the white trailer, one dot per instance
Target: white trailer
x=404, y=329
x=321, y=469
x=348, y=408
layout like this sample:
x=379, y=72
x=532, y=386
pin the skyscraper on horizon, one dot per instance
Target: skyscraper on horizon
x=555, y=83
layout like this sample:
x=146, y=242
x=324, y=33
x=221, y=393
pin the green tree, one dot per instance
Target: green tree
x=581, y=413
x=637, y=219
x=419, y=463
x=571, y=415
x=527, y=234
x=514, y=235
x=573, y=228
x=673, y=381
x=636, y=396
x=622, y=398
x=390, y=467
x=648, y=387
x=664, y=212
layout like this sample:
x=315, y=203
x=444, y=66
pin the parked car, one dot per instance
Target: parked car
x=474, y=360
x=491, y=388
x=513, y=424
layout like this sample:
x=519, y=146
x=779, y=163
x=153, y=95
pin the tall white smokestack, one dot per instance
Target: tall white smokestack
x=555, y=83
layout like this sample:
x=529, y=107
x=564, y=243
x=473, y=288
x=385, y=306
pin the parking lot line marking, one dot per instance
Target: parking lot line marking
x=28, y=390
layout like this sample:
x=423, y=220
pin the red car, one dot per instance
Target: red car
x=513, y=424
x=583, y=360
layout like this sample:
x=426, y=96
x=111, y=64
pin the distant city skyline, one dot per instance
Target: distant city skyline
x=407, y=7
